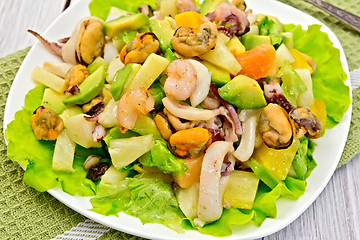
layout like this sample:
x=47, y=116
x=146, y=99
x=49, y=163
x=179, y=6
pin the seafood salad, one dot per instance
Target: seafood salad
x=194, y=116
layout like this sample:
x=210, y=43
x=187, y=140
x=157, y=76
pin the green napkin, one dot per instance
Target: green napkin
x=28, y=214
x=349, y=38
x=25, y=213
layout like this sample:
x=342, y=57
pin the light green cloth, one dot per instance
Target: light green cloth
x=25, y=213
x=349, y=38
x=28, y=214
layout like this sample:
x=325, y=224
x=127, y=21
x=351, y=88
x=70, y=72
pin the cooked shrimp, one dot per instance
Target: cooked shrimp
x=131, y=105
x=181, y=81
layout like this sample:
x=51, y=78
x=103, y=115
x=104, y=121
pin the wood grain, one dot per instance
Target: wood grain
x=19, y=15
x=334, y=215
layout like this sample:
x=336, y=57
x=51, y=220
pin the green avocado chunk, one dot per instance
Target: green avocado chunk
x=127, y=22
x=89, y=88
x=53, y=100
x=99, y=61
x=169, y=55
x=243, y=92
x=209, y=6
x=120, y=78
x=163, y=31
x=157, y=91
x=145, y=125
x=219, y=76
x=250, y=40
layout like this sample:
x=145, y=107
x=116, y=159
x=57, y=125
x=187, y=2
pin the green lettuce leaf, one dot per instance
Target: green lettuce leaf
x=268, y=27
x=292, y=84
x=36, y=155
x=19, y=134
x=304, y=162
x=161, y=157
x=126, y=36
x=328, y=80
x=291, y=188
x=111, y=199
x=150, y=200
x=115, y=133
x=222, y=227
x=101, y=8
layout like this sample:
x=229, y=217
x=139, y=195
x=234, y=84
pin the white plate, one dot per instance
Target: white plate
x=327, y=153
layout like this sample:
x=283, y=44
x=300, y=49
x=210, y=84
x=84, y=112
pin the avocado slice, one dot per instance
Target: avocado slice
x=169, y=55
x=89, y=88
x=243, y=92
x=128, y=22
x=126, y=36
x=209, y=6
x=99, y=61
x=53, y=100
x=120, y=78
x=157, y=91
x=163, y=31
x=146, y=126
x=219, y=76
x=250, y=40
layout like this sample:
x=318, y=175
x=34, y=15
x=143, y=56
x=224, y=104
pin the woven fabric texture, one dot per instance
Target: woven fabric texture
x=352, y=146
x=25, y=213
x=28, y=214
x=349, y=38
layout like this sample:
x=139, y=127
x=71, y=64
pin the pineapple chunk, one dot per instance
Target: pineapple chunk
x=71, y=111
x=222, y=57
x=235, y=46
x=168, y=8
x=80, y=131
x=223, y=37
x=283, y=55
x=241, y=189
x=306, y=98
x=48, y=79
x=150, y=70
x=108, y=117
x=59, y=69
x=64, y=153
x=113, y=176
x=114, y=65
x=277, y=161
x=289, y=42
x=127, y=150
x=188, y=200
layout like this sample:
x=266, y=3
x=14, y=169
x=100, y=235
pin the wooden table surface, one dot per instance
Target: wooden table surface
x=335, y=214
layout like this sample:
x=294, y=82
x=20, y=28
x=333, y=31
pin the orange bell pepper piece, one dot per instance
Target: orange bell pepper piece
x=190, y=19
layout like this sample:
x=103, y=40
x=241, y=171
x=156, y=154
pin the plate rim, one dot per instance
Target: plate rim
x=57, y=192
